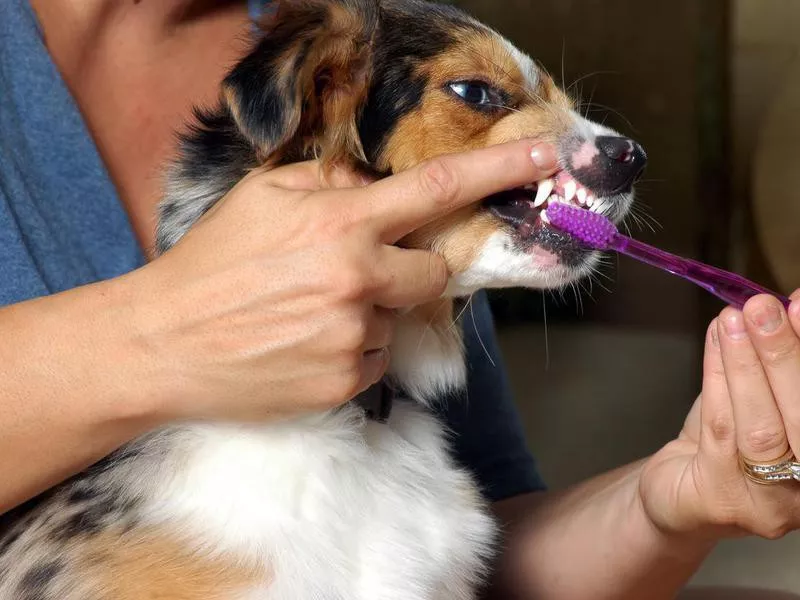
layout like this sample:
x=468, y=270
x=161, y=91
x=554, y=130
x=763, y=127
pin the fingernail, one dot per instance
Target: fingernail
x=544, y=156
x=733, y=324
x=768, y=318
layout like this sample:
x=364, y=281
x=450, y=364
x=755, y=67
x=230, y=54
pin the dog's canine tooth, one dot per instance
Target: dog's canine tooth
x=569, y=189
x=543, y=193
x=543, y=216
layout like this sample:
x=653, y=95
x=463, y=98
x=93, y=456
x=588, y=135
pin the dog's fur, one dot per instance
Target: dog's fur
x=333, y=505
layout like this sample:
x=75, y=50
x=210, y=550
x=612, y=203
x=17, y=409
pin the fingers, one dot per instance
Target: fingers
x=794, y=312
x=380, y=330
x=376, y=356
x=760, y=431
x=404, y=202
x=373, y=367
x=778, y=349
x=411, y=277
x=718, y=431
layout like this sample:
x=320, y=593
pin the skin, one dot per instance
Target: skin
x=87, y=370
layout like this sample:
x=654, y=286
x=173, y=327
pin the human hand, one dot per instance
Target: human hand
x=749, y=406
x=280, y=299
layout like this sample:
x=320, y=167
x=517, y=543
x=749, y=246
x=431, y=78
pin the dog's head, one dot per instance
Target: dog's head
x=382, y=85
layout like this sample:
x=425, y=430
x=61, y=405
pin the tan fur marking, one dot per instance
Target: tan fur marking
x=443, y=126
x=154, y=565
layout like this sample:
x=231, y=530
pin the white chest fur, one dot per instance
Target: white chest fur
x=337, y=506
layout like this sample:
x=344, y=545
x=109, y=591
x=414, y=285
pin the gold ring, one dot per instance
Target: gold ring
x=785, y=468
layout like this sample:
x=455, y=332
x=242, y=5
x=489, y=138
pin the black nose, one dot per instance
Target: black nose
x=622, y=161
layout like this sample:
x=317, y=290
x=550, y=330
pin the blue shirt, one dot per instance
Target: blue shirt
x=62, y=225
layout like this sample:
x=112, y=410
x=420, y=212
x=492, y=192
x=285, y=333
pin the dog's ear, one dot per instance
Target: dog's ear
x=300, y=91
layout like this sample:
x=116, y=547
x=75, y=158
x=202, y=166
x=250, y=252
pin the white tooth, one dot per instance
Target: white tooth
x=553, y=199
x=545, y=187
x=582, y=195
x=590, y=201
x=569, y=189
x=543, y=216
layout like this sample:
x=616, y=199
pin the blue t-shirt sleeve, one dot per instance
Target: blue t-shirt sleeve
x=488, y=436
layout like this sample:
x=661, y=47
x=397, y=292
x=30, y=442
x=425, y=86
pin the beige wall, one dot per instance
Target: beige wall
x=765, y=66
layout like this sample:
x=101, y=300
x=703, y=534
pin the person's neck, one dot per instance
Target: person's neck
x=74, y=27
x=135, y=69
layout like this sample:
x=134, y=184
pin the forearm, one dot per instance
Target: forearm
x=73, y=386
x=592, y=541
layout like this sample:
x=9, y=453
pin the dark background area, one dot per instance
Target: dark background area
x=661, y=79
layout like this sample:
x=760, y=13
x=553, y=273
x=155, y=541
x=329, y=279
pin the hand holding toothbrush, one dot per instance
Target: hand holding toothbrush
x=733, y=469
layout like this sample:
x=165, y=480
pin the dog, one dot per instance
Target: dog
x=341, y=504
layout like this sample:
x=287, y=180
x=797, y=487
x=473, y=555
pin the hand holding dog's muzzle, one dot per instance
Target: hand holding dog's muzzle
x=281, y=299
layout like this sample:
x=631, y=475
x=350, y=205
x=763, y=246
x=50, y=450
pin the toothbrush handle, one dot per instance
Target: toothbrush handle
x=729, y=287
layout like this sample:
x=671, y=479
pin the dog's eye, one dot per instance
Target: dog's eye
x=477, y=93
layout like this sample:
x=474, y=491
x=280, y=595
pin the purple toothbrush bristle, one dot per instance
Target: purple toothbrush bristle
x=591, y=228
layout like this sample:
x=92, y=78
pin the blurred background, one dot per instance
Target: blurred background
x=711, y=89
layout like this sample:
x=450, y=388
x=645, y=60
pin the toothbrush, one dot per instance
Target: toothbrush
x=597, y=232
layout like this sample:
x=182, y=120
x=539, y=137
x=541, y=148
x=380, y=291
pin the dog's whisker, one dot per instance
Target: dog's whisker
x=478, y=334
x=588, y=75
x=603, y=107
x=462, y=311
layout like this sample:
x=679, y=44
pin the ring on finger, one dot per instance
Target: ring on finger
x=784, y=468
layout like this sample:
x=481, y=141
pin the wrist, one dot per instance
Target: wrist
x=689, y=545
x=150, y=390
x=99, y=322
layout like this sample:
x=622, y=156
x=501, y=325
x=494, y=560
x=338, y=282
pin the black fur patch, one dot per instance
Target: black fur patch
x=396, y=94
x=34, y=584
x=15, y=521
x=8, y=540
x=213, y=146
x=406, y=40
x=95, y=516
x=263, y=100
x=81, y=493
